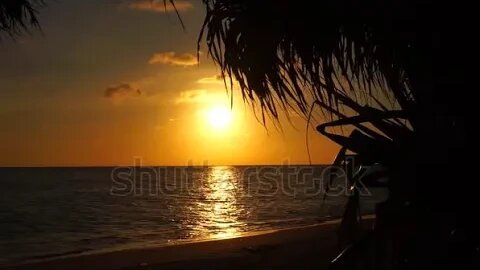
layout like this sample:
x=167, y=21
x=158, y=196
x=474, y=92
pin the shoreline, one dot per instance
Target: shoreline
x=298, y=247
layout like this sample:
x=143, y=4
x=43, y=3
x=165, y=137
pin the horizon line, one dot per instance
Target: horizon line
x=113, y=166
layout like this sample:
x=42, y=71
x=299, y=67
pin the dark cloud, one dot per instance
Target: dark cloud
x=121, y=91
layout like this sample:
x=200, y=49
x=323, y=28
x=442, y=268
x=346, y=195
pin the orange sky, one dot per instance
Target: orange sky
x=107, y=83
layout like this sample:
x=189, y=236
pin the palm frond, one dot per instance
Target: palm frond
x=17, y=16
x=280, y=50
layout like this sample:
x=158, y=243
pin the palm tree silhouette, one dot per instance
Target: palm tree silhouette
x=387, y=69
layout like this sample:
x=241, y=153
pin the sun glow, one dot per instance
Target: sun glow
x=219, y=117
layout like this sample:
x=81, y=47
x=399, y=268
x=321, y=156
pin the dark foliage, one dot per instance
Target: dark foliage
x=394, y=71
x=17, y=16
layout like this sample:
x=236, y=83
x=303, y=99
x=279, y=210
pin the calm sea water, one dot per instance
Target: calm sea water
x=51, y=212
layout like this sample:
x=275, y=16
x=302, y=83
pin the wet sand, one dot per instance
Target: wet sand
x=309, y=247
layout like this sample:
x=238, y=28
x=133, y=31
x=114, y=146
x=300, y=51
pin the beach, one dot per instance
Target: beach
x=307, y=247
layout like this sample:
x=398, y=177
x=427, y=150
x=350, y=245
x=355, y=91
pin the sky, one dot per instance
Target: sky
x=107, y=83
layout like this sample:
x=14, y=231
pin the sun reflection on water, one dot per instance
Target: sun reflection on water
x=221, y=210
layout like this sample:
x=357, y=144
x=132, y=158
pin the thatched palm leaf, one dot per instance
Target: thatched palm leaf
x=278, y=50
x=18, y=15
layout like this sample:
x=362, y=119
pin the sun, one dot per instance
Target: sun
x=219, y=117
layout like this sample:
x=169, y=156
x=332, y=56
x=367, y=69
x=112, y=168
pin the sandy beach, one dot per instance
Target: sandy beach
x=309, y=247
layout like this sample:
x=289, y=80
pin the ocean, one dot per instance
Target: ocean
x=53, y=212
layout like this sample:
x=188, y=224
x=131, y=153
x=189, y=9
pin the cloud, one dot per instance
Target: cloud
x=121, y=91
x=171, y=58
x=159, y=6
x=201, y=96
x=215, y=79
x=192, y=96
